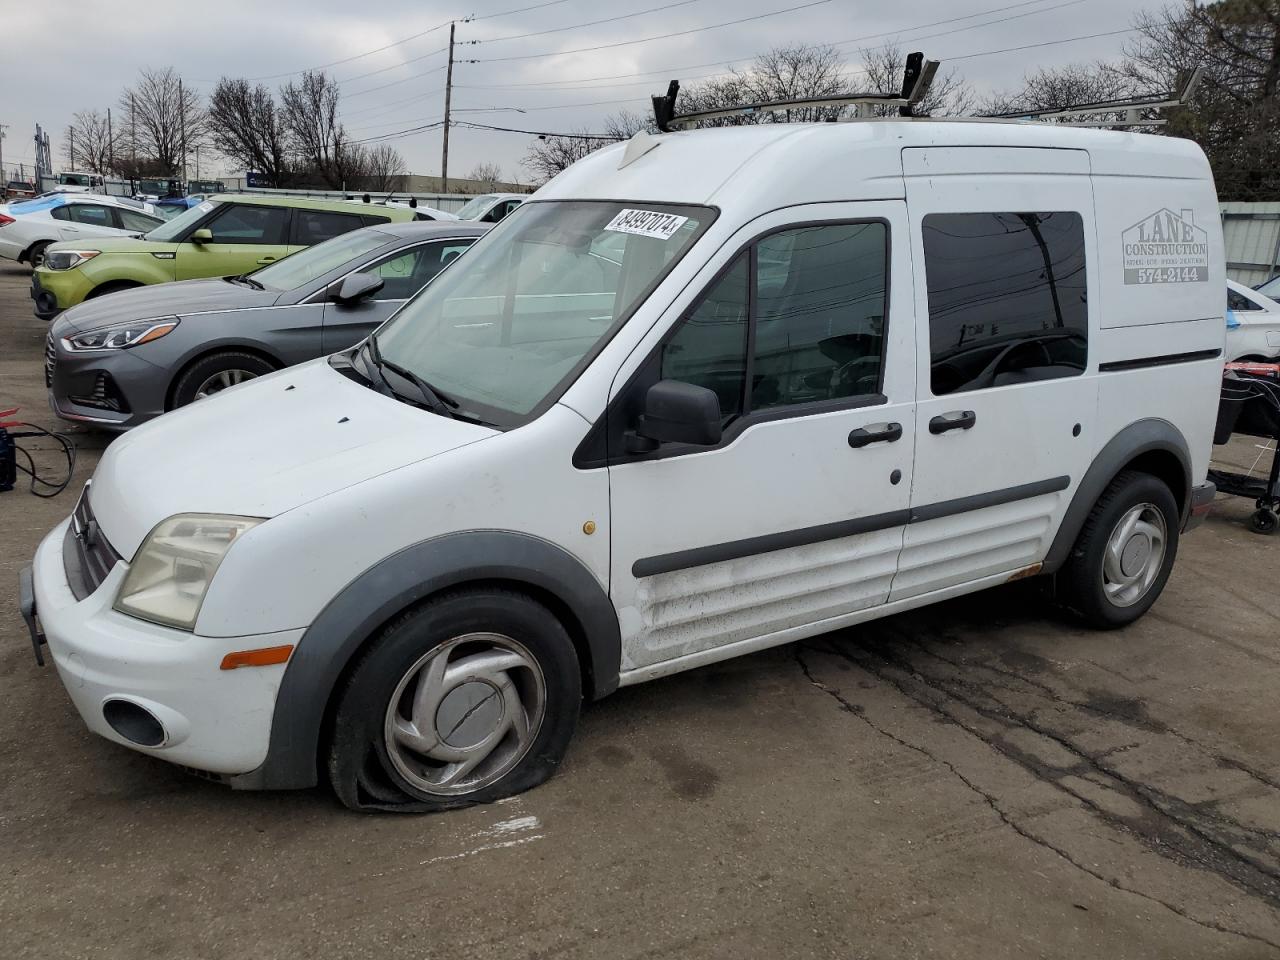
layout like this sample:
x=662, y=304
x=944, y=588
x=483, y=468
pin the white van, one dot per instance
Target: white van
x=705, y=393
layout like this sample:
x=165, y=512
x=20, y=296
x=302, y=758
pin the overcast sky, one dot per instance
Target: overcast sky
x=69, y=57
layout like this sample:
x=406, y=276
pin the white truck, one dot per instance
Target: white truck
x=704, y=393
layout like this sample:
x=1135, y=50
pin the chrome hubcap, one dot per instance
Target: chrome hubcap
x=465, y=714
x=1134, y=555
x=220, y=381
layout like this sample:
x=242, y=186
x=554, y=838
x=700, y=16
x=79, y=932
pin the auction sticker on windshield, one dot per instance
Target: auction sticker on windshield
x=646, y=223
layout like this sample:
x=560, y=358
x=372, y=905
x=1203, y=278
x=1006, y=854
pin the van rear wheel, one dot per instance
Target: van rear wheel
x=470, y=698
x=1124, y=554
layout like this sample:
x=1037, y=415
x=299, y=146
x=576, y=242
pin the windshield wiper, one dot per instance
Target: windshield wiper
x=433, y=399
x=247, y=280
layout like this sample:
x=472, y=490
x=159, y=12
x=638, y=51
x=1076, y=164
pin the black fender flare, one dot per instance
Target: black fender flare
x=1139, y=437
x=394, y=584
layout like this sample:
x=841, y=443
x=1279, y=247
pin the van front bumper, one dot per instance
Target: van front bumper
x=1201, y=502
x=114, y=666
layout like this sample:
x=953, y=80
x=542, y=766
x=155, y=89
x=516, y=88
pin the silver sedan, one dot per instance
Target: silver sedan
x=120, y=360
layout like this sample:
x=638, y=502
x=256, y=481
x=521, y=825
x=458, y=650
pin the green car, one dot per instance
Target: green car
x=223, y=236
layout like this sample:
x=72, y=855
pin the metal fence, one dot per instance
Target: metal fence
x=1252, y=235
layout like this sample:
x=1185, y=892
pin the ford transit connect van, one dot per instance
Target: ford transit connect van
x=703, y=394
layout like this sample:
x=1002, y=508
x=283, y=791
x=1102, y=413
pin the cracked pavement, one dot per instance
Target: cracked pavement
x=978, y=779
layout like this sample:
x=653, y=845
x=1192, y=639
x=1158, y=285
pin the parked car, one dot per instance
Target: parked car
x=121, y=360
x=491, y=207
x=28, y=228
x=205, y=187
x=157, y=188
x=828, y=372
x=171, y=207
x=1271, y=288
x=220, y=237
x=1253, y=324
x=19, y=190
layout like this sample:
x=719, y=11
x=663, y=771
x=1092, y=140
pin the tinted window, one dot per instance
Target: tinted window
x=92, y=215
x=245, y=224
x=820, y=309
x=60, y=213
x=316, y=226
x=1006, y=298
x=709, y=348
x=132, y=220
x=404, y=274
x=1238, y=301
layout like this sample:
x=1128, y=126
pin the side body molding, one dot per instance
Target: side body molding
x=1140, y=437
x=399, y=581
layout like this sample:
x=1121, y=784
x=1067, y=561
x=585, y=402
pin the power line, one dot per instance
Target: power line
x=508, y=13
x=358, y=56
x=589, y=23
x=661, y=36
x=668, y=71
x=541, y=133
x=393, y=83
x=394, y=66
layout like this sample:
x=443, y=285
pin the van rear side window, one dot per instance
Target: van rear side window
x=1007, y=298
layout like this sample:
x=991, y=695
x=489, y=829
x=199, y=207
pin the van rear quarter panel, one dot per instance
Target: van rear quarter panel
x=1162, y=293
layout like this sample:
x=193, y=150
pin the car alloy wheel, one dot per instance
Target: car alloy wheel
x=221, y=381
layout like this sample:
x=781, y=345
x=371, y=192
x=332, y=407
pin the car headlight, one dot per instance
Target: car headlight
x=121, y=335
x=175, y=565
x=66, y=259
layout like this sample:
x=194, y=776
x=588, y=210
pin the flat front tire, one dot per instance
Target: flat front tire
x=1124, y=553
x=467, y=699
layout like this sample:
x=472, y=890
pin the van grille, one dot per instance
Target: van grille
x=86, y=555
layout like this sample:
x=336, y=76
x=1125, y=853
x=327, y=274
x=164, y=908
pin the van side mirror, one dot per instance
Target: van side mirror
x=353, y=289
x=203, y=235
x=676, y=412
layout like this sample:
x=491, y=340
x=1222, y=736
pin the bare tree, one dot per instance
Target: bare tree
x=384, y=168
x=1059, y=88
x=549, y=155
x=1236, y=109
x=784, y=73
x=485, y=177
x=310, y=109
x=247, y=127
x=158, y=114
x=88, y=144
x=882, y=72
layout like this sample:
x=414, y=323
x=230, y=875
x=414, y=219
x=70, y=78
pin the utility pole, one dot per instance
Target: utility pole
x=133, y=140
x=448, y=96
x=111, y=144
x=71, y=135
x=182, y=126
x=4, y=177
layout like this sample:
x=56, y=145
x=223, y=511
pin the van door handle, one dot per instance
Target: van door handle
x=955, y=420
x=875, y=433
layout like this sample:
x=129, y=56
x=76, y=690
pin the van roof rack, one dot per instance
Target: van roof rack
x=916, y=81
x=1131, y=108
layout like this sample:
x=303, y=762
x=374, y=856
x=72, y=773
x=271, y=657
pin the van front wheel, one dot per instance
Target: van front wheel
x=470, y=698
x=1124, y=554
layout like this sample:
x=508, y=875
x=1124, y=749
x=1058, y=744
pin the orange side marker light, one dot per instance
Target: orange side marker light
x=263, y=657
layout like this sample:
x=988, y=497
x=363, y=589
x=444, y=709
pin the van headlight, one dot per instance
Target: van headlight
x=175, y=565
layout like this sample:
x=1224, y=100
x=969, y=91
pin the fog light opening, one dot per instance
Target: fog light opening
x=136, y=724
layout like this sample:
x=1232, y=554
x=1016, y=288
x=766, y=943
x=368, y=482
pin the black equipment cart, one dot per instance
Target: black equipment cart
x=1250, y=405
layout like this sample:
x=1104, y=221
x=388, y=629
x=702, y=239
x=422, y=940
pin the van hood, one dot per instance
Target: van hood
x=179, y=299
x=261, y=448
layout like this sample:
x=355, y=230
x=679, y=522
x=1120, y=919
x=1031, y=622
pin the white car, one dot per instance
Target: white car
x=826, y=373
x=491, y=207
x=29, y=226
x=1253, y=324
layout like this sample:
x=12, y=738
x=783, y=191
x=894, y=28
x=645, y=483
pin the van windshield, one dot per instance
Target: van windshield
x=535, y=300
